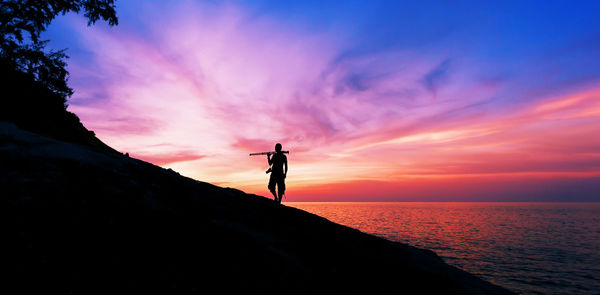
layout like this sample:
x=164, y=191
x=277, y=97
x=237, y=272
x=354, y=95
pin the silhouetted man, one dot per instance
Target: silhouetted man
x=277, y=164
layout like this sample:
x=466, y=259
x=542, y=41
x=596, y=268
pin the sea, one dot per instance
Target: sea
x=529, y=248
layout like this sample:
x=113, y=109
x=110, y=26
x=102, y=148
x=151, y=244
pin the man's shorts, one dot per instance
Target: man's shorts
x=280, y=181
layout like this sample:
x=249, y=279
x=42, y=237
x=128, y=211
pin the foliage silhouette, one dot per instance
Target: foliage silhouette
x=32, y=106
x=21, y=24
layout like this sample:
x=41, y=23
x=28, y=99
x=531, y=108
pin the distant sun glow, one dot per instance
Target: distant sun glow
x=373, y=102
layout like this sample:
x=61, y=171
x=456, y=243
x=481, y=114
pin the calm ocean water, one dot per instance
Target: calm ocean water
x=530, y=248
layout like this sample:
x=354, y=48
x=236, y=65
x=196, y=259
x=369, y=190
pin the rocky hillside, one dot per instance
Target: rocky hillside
x=81, y=221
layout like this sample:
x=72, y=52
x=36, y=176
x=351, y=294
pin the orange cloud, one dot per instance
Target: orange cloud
x=169, y=157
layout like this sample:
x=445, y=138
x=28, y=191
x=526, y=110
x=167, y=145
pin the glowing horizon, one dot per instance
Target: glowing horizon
x=196, y=87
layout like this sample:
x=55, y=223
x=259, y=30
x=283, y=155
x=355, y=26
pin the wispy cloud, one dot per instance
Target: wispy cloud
x=436, y=76
x=216, y=82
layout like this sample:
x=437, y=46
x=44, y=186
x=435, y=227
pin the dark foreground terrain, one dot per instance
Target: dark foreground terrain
x=81, y=220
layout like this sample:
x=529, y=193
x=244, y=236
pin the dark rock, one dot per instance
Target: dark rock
x=82, y=221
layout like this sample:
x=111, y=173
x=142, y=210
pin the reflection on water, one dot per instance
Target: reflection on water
x=532, y=248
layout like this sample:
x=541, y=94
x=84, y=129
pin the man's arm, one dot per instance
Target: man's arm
x=286, y=166
x=269, y=159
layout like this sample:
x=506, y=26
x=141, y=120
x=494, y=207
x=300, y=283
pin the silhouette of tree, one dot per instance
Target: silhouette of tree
x=23, y=21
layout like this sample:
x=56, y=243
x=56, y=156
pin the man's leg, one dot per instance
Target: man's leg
x=281, y=189
x=271, y=187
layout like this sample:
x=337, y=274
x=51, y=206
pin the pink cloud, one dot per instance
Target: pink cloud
x=214, y=81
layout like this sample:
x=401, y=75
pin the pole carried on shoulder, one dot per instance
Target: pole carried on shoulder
x=268, y=153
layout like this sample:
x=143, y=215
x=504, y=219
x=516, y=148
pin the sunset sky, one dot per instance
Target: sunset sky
x=394, y=101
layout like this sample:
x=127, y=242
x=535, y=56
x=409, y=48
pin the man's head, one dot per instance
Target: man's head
x=278, y=147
